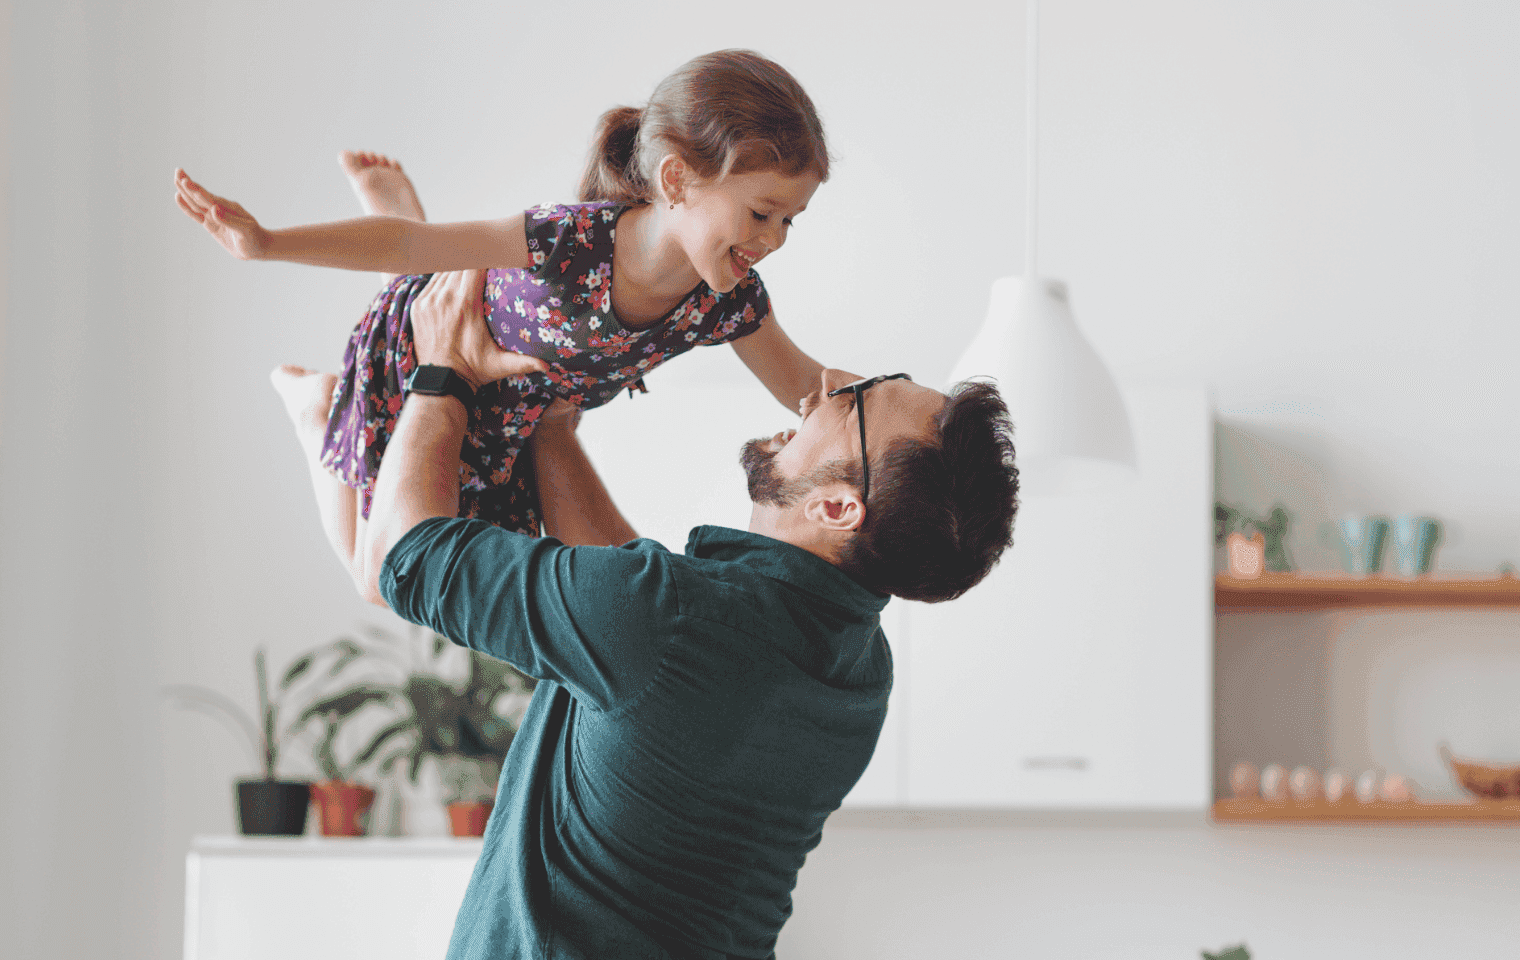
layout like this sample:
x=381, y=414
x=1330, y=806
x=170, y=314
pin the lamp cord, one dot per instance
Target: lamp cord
x=1031, y=135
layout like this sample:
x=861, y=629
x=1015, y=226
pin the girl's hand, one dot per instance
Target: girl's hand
x=231, y=225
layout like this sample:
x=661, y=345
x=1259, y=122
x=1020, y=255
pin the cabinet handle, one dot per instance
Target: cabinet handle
x=1055, y=763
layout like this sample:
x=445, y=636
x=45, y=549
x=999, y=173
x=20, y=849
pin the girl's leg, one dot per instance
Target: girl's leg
x=308, y=398
x=382, y=187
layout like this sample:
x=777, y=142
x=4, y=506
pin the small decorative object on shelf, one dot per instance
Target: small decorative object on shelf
x=1245, y=781
x=1304, y=783
x=1362, y=541
x=1252, y=546
x=1274, y=782
x=1414, y=545
x=1489, y=781
x=1337, y=785
x=1366, y=787
x=1247, y=558
x=1395, y=789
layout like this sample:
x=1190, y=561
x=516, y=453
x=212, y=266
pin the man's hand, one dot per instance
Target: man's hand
x=226, y=221
x=449, y=329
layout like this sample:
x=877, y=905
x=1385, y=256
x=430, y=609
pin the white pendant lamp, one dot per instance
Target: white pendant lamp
x=1071, y=431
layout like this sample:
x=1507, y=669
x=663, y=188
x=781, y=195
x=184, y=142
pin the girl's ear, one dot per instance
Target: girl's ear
x=674, y=177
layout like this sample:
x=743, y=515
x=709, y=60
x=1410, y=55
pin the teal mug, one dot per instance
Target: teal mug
x=1362, y=544
x=1414, y=544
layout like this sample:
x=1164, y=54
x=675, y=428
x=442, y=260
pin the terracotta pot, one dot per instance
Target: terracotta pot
x=344, y=807
x=469, y=819
x=1248, y=558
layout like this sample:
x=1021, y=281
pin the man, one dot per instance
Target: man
x=698, y=717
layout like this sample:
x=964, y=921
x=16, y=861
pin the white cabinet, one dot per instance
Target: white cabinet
x=1078, y=674
x=316, y=898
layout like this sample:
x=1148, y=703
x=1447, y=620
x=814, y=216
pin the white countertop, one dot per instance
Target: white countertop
x=340, y=847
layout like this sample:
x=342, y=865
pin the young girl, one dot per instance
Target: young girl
x=679, y=201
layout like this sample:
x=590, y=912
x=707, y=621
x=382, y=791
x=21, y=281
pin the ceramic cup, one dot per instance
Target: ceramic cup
x=1414, y=544
x=1362, y=544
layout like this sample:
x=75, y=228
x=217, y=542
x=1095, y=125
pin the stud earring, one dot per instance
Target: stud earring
x=672, y=206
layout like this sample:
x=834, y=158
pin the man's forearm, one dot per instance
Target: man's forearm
x=419, y=476
x=577, y=508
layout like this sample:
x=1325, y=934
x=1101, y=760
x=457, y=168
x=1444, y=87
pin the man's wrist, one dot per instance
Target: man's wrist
x=438, y=380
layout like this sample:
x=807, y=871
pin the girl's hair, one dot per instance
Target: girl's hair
x=727, y=112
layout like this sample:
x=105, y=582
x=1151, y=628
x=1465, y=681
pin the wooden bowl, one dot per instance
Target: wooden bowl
x=1491, y=781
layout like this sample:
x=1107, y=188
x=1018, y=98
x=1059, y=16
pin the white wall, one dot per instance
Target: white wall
x=1308, y=206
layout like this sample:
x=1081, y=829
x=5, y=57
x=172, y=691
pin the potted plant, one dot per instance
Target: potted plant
x=268, y=806
x=342, y=802
x=460, y=725
x=1252, y=545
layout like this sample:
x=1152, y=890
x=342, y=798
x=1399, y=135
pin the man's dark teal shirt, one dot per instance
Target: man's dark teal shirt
x=697, y=719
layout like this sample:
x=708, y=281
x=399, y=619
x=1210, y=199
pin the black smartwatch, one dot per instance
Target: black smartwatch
x=435, y=381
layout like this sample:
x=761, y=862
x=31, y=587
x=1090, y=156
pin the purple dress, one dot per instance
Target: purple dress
x=559, y=310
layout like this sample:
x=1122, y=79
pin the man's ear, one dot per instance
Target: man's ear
x=674, y=178
x=834, y=509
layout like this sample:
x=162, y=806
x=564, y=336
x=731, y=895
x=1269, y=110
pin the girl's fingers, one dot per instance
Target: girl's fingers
x=190, y=196
x=193, y=213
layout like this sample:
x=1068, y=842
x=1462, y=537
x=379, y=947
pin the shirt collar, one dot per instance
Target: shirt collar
x=783, y=561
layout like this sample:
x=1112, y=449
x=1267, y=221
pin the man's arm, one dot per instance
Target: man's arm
x=419, y=475
x=577, y=508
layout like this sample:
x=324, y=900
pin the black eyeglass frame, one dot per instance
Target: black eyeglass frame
x=859, y=388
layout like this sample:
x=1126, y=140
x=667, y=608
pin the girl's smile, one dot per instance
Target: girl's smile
x=728, y=226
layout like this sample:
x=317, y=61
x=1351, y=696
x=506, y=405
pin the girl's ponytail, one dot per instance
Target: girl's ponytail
x=612, y=171
x=732, y=111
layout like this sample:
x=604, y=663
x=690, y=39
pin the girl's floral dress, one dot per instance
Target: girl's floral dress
x=560, y=310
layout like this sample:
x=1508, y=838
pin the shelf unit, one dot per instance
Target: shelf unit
x=1307, y=592
x=1313, y=591
x=1377, y=811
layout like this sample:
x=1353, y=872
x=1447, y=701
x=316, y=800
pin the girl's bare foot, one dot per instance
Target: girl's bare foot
x=308, y=401
x=383, y=188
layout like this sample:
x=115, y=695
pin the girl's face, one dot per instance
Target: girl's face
x=728, y=226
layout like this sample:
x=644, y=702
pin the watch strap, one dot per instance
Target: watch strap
x=432, y=380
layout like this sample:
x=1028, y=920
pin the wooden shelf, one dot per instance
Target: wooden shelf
x=1314, y=591
x=1378, y=811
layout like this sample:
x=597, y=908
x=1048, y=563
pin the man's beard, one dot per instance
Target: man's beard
x=766, y=484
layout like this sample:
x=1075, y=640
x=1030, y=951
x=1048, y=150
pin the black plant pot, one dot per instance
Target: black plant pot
x=273, y=808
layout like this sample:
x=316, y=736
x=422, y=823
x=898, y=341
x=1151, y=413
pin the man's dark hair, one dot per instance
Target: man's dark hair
x=941, y=511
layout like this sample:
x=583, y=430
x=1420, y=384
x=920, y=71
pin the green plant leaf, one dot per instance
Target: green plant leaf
x=295, y=670
x=348, y=651
x=381, y=737
x=346, y=703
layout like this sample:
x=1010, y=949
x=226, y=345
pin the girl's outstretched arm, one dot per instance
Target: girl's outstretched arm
x=787, y=372
x=372, y=244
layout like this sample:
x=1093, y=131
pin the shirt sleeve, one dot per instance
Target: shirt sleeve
x=743, y=316
x=543, y=225
x=595, y=619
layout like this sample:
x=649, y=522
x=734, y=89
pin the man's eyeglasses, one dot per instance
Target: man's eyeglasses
x=859, y=388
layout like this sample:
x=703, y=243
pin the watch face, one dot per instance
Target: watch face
x=430, y=379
